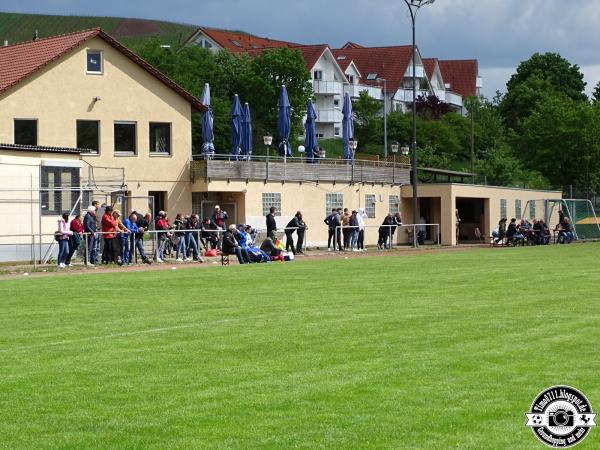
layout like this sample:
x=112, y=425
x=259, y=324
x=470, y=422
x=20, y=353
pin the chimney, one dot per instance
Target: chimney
x=36, y=35
x=6, y=42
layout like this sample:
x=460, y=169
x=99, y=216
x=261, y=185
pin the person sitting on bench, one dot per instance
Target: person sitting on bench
x=565, y=232
x=513, y=234
x=270, y=248
x=230, y=246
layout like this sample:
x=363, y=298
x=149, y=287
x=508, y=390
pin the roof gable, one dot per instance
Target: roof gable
x=20, y=61
x=390, y=63
x=462, y=75
x=239, y=42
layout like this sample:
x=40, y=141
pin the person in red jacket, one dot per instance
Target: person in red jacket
x=109, y=229
x=76, y=227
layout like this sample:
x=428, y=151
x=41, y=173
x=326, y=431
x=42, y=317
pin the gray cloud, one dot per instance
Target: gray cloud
x=499, y=33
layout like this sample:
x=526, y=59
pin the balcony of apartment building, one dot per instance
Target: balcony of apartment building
x=328, y=87
x=454, y=99
x=354, y=91
x=329, y=115
x=406, y=94
x=275, y=168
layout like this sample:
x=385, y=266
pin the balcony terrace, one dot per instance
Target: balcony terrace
x=261, y=168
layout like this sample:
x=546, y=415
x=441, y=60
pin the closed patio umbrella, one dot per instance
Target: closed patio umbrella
x=310, y=142
x=284, y=123
x=246, y=132
x=236, y=126
x=208, y=136
x=347, y=127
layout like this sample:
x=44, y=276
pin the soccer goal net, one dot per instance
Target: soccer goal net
x=581, y=214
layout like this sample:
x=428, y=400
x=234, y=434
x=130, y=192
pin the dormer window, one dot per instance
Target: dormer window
x=351, y=79
x=372, y=76
x=95, y=64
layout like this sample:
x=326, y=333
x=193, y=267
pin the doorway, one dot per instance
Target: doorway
x=158, y=201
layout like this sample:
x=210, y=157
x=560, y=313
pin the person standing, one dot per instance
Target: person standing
x=290, y=228
x=458, y=221
x=110, y=251
x=162, y=225
x=63, y=242
x=76, y=226
x=271, y=222
x=180, y=252
x=346, y=232
x=142, y=225
x=300, y=231
x=90, y=227
x=329, y=221
x=361, y=215
x=353, y=230
x=219, y=218
x=131, y=224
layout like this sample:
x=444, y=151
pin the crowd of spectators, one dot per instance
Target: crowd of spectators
x=535, y=232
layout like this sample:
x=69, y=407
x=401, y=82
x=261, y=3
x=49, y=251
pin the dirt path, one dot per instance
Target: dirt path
x=51, y=271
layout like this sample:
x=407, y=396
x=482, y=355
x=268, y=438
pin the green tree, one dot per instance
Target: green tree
x=367, y=120
x=596, y=93
x=256, y=81
x=540, y=76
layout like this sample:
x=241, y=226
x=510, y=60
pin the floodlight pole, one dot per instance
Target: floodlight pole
x=413, y=7
x=385, y=144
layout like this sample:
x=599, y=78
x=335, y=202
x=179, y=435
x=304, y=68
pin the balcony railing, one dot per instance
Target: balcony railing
x=261, y=168
x=406, y=95
x=329, y=115
x=328, y=87
x=354, y=90
x=420, y=72
x=454, y=99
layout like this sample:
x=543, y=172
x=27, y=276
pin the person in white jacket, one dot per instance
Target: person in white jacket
x=63, y=241
x=361, y=215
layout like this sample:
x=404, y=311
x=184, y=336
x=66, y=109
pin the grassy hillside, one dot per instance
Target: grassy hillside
x=21, y=27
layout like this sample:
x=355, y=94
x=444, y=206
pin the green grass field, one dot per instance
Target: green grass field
x=434, y=350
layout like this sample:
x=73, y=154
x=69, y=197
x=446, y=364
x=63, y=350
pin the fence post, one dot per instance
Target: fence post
x=414, y=235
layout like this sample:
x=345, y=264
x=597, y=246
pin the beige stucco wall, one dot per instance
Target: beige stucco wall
x=492, y=196
x=60, y=94
x=20, y=196
x=306, y=197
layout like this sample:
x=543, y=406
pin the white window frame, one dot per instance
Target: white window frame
x=394, y=200
x=333, y=200
x=320, y=72
x=518, y=210
x=159, y=154
x=271, y=199
x=503, y=208
x=370, y=205
x=87, y=54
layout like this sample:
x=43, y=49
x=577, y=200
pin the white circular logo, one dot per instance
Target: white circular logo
x=561, y=417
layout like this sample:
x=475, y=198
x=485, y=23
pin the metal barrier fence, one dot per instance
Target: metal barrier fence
x=388, y=243
x=42, y=246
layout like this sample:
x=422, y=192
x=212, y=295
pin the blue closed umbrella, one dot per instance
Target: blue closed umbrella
x=284, y=123
x=236, y=126
x=208, y=136
x=310, y=142
x=246, y=131
x=347, y=127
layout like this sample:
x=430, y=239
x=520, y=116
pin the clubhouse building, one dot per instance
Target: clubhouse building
x=82, y=118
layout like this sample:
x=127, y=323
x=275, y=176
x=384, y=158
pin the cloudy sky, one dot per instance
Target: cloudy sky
x=499, y=33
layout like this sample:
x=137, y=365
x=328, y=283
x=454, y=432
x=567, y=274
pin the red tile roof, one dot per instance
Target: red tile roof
x=227, y=40
x=462, y=76
x=20, y=61
x=351, y=44
x=390, y=63
x=429, y=65
x=310, y=53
